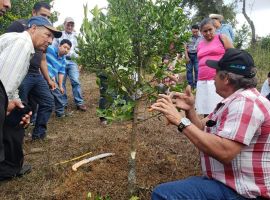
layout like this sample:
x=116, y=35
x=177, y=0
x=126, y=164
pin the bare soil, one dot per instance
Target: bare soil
x=162, y=155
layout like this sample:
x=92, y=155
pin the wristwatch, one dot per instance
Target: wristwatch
x=183, y=124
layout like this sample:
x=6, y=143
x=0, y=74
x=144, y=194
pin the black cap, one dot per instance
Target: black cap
x=235, y=61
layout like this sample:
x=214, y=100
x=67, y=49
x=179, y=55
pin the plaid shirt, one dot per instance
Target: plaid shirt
x=243, y=117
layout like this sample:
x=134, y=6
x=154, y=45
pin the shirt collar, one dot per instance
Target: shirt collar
x=29, y=39
x=232, y=96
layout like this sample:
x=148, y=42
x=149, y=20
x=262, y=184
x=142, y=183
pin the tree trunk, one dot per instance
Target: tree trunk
x=250, y=22
x=132, y=182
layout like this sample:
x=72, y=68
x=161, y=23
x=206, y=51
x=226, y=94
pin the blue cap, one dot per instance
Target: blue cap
x=43, y=21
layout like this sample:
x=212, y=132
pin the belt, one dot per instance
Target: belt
x=192, y=53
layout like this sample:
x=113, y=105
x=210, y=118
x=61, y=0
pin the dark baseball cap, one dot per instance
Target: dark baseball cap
x=236, y=61
x=42, y=21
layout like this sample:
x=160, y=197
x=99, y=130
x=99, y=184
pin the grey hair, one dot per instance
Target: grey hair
x=206, y=21
x=239, y=81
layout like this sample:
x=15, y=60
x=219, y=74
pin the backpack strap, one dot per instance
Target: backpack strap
x=23, y=22
x=219, y=37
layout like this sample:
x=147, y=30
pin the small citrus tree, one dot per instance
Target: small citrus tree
x=122, y=45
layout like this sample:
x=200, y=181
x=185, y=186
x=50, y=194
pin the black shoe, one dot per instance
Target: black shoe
x=26, y=169
x=82, y=108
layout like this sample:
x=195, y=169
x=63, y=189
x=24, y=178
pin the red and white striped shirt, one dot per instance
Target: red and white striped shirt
x=243, y=117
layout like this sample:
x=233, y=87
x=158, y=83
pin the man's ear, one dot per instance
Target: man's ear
x=32, y=29
x=226, y=79
x=34, y=13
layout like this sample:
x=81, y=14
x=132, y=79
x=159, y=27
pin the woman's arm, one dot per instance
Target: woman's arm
x=227, y=43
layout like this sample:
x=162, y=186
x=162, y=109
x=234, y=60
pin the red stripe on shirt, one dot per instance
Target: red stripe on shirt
x=245, y=120
x=258, y=168
x=229, y=176
x=207, y=166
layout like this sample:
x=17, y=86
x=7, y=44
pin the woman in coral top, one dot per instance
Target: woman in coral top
x=211, y=47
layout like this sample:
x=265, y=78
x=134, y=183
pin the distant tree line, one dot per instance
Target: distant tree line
x=21, y=9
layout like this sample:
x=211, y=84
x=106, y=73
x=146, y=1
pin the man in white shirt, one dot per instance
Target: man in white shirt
x=16, y=50
x=4, y=6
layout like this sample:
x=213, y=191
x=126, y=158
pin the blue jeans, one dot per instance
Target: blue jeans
x=72, y=72
x=59, y=105
x=195, y=188
x=36, y=86
x=192, y=65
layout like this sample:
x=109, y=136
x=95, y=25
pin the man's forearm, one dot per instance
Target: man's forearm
x=60, y=79
x=44, y=68
x=222, y=149
x=195, y=119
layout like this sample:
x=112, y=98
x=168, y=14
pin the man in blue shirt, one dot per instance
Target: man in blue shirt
x=56, y=60
x=222, y=28
x=72, y=69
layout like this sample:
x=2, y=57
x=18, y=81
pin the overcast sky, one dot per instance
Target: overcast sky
x=258, y=10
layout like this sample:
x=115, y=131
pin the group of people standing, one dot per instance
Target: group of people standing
x=35, y=84
x=208, y=41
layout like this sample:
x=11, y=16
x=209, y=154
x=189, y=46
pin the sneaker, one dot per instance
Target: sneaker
x=103, y=121
x=81, y=108
x=66, y=114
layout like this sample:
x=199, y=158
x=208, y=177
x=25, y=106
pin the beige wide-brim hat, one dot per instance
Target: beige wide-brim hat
x=216, y=16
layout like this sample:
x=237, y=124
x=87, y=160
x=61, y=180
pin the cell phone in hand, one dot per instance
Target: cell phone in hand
x=15, y=116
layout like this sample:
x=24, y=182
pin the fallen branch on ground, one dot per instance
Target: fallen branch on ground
x=66, y=161
x=85, y=161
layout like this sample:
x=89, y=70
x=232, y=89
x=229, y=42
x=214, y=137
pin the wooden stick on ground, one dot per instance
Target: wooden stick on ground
x=82, y=162
x=66, y=161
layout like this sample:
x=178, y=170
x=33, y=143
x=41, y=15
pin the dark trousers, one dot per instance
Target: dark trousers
x=13, y=140
x=3, y=110
x=103, y=102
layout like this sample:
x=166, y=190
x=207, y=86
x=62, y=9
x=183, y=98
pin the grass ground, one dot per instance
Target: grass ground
x=162, y=155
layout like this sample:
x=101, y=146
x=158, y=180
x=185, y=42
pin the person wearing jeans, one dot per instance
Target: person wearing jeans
x=41, y=92
x=191, y=57
x=192, y=65
x=72, y=69
x=73, y=73
x=35, y=89
x=56, y=58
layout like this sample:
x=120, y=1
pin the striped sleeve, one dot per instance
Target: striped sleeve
x=62, y=69
x=14, y=64
x=240, y=121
